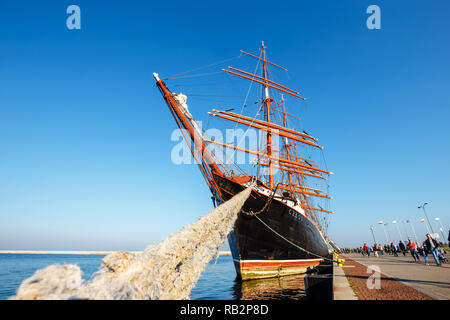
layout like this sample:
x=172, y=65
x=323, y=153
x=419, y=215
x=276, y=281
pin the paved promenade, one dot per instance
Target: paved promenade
x=432, y=280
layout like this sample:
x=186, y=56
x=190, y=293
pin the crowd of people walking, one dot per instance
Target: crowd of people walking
x=417, y=250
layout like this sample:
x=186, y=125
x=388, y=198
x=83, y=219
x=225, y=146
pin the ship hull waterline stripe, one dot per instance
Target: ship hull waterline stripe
x=275, y=263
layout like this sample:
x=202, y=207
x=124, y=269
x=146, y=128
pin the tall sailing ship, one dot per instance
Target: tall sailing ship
x=279, y=230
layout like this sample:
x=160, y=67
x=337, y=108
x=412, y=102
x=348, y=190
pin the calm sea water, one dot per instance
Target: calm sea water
x=218, y=281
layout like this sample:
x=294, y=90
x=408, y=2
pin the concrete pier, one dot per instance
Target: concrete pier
x=341, y=286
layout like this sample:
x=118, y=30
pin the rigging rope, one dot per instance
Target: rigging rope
x=203, y=67
x=249, y=88
x=243, y=106
x=194, y=75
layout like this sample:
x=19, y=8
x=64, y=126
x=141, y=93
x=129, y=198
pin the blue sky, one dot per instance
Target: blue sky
x=85, y=136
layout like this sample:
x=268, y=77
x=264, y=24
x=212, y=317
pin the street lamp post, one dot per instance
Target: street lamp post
x=426, y=216
x=388, y=235
x=399, y=234
x=373, y=235
x=426, y=226
x=414, y=230
x=406, y=229
x=442, y=228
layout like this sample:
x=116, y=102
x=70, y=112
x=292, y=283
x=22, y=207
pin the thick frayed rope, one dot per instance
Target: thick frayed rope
x=167, y=271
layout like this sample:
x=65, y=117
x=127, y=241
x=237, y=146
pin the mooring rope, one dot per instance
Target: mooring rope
x=268, y=203
x=167, y=271
x=287, y=240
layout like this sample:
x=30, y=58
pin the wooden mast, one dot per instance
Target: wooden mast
x=286, y=145
x=267, y=102
x=296, y=168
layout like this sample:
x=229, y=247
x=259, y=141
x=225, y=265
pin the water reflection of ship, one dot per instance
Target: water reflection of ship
x=279, y=288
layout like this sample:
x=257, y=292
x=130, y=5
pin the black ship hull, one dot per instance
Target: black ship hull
x=258, y=251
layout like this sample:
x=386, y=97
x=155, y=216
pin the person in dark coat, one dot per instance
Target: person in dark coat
x=423, y=252
x=393, y=249
x=402, y=247
x=432, y=246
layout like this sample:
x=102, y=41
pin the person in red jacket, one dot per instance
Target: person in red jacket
x=412, y=249
x=366, y=249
